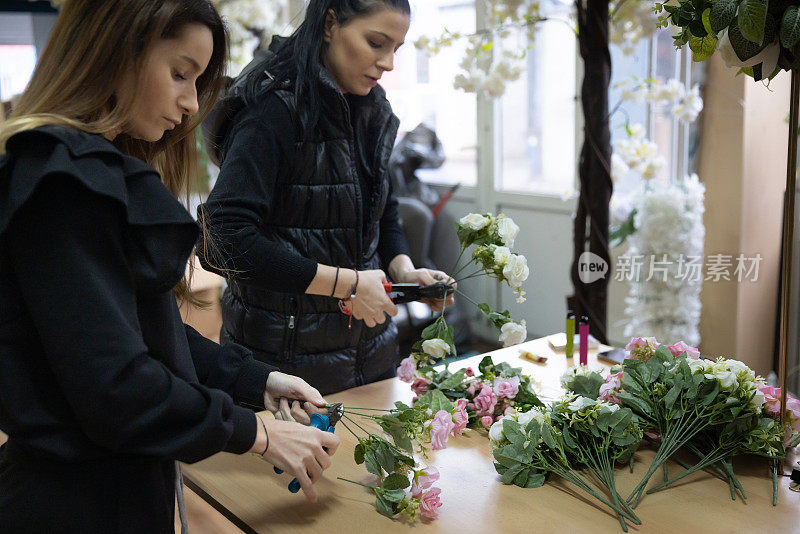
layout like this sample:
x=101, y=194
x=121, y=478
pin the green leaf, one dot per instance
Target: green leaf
x=383, y=506
x=439, y=402
x=751, y=20
x=757, y=72
x=702, y=47
x=454, y=380
x=399, y=436
x=486, y=363
x=790, y=27
x=722, y=14
x=396, y=495
x=748, y=71
x=385, y=457
x=358, y=454
x=522, y=478
x=430, y=330
x=618, y=234
x=672, y=396
x=697, y=28
x=509, y=476
x=372, y=464
x=396, y=481
x=535, y=480
x=547, y=436
x=513, y=432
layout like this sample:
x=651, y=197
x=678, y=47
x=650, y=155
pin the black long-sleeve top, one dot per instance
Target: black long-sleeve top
x=94, y=358
x=257, y=153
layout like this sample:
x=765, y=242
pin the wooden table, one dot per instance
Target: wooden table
x=245, y=489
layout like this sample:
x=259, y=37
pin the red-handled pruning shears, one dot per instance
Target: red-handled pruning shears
x=404, y=292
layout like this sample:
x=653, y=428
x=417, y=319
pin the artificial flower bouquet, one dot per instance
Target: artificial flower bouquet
x=578, y=439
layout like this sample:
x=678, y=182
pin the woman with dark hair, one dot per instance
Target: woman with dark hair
x=102, y=387
x=302, y=216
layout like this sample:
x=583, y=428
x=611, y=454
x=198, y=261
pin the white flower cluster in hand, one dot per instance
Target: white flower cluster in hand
x=250, y=23
x=635, y=153
x=475, y=221
x=684, y=103
x=669, y=223
x=436, y=348
x=630, y=21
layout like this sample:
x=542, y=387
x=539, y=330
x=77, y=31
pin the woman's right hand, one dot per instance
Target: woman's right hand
x=298, y=450
x=371, y=302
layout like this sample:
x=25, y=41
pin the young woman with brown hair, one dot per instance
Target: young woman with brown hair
x=102, y=387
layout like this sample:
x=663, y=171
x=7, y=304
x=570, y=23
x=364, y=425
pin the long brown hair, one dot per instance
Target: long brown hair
x=94, y=44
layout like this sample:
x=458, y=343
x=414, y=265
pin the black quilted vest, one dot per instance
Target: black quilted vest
x=318, y=214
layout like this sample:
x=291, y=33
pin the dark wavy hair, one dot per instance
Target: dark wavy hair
x=297, y=59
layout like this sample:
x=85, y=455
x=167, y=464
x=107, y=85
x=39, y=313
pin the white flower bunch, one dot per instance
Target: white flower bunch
x=496, y=435
x=636, y=153
x=684, y=103
x=733, y=376
x=669, y=223
x=630, y=21
x=250, y=23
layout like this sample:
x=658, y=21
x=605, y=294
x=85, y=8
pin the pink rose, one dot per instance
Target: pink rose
x=486, y=421
x=610, y=388
x=425, y=478
x=680, y=347
x=441, y=427
x=793, y=407
x=642, y=348
x=460, y=416
x=407, y=369
x=772, y=396
x=429, y=502
x=469, y=372
x=485, y=401
x=471, y=389
x=506, y=387
x=420, y=385
x=471, y=406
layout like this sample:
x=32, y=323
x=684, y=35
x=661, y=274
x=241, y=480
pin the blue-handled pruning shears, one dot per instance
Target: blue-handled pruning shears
x=326, y=423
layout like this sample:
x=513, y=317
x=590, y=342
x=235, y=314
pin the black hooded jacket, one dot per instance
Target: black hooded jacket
x=281, y=206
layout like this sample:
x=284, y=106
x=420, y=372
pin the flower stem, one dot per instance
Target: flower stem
x=356, y=483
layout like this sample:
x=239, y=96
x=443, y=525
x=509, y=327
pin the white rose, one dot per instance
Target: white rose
x=474, y=221
x=501, y=255
x=736, y=366
x=726, y=377
x=526, y=417
x=513, y=333
x=769, y=56
x=507, y=229
x=496, y=431
x=516, y=271
x=436, y=348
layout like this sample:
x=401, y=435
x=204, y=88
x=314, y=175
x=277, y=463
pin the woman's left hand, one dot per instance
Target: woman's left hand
x=427, y=277
x=281, y=388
